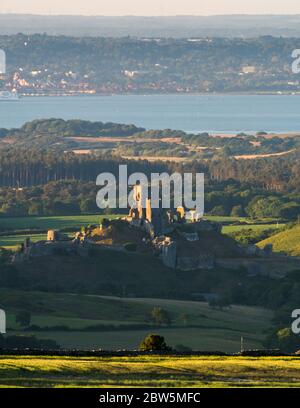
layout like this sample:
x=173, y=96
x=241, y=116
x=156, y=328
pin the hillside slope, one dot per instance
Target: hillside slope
x=109, y=272
x=287, y=241
x=87, y=321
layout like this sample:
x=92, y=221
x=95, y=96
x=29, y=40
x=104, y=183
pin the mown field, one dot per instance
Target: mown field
x=149, y=371
x=13, y=241
x=228, y=229
x=15, y=225
x=8, y=241
x=44, y=223
x=193, y=324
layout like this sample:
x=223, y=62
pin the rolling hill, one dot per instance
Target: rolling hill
x=287, y=241
x=87, y=321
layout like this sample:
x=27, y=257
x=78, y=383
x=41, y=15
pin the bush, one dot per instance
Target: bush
x=153, y=342
x=219, y=210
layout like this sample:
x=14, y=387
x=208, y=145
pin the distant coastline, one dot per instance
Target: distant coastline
x=279, y=93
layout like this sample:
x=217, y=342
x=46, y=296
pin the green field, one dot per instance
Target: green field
x=228, y=229
x=203, y=328
x=286, y=241
x=13, y=224
x=72, y=221
x=224, y=219
x=232, y=220
x=13, y=240
x=44, y=223
x=149, y=371
x=202, y=339
x=9, y=241
x=76, y=221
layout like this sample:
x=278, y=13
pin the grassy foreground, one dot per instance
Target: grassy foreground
x=149, y=371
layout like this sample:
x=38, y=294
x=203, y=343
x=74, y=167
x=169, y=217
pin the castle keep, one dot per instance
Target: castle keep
x=174, y=232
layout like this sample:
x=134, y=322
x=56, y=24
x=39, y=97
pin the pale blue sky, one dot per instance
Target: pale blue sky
x=150, y=7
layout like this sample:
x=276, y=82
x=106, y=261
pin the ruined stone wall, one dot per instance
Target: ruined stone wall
x=169, y=255
x=187, y=263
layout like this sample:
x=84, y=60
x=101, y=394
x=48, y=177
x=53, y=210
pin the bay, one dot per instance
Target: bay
x=191, y=113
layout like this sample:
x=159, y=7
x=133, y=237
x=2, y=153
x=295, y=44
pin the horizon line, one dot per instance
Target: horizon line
x=7, y=13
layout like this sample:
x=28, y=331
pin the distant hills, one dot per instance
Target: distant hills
x=59, y=65
x=176, y=26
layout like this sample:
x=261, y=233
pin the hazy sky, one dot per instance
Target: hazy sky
x=150, y=7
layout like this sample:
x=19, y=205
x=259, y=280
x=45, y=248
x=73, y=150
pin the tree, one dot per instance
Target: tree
x=35, y=208
x=290, y=210
x=237, y=211
x=283, y=339
x=219, y=210
x=160, y=316
x=153, y=342
x=184, y=317
x=23, y=318
x=287, y=340
x=264, y=207
x=88, y=206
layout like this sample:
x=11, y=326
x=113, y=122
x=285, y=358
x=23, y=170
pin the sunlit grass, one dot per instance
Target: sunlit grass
x=150, y=371
x=286, y=241
x=227, y=229
x=57, y=222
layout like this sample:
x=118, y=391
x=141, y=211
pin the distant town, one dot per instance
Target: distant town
x=48, y=65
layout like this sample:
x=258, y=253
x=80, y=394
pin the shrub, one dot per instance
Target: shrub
x=153, y=342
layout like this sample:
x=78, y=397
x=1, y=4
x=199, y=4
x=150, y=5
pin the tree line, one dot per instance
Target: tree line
x=29, y=167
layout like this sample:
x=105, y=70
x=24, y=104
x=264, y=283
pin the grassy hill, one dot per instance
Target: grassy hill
x=193, y=324
x=109, y=272
x=287, y=241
